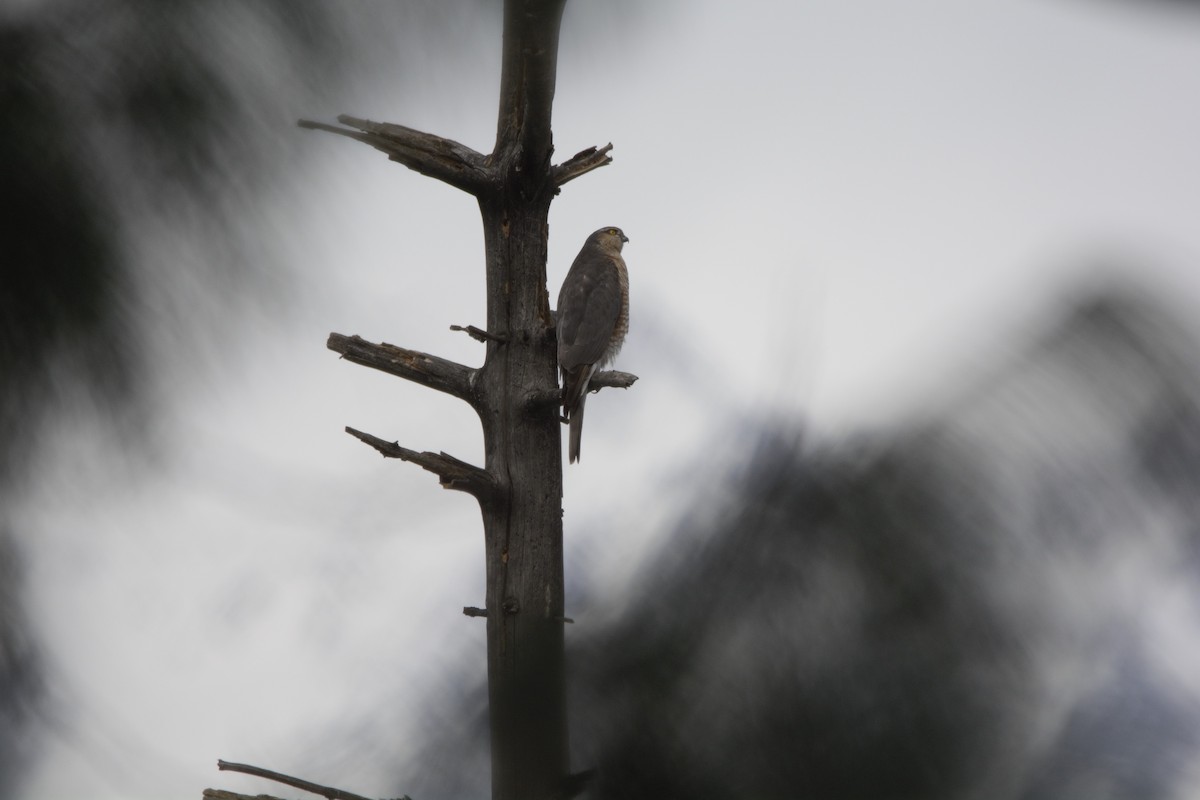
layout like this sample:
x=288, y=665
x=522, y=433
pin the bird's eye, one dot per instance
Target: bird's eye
x=613, y=231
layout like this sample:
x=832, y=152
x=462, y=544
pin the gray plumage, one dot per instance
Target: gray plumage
x=593, y=318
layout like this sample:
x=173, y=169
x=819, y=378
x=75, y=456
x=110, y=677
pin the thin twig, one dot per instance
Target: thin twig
x=472, y=611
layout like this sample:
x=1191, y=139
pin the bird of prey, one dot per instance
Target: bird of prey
x=593, y=318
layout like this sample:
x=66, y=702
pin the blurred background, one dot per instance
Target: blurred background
x=903, y=505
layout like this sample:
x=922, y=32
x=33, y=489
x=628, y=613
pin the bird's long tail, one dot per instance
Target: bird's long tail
x=576, y=430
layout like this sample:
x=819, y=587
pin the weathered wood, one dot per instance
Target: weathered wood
x=436, y=373
x=581, y=163
x=611, y=379
x=478, y=334
x=453, y=473
x=528, y=73
x=522, y=445
x=523, y=537
x=445, y=159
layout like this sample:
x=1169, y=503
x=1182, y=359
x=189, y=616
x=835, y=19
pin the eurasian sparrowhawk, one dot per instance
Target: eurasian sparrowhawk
x=593, y=318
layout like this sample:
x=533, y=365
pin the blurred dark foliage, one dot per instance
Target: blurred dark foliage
x=60, y=276
x=109, y=106
x=19, y=679
x=114, y=105
x=824, y=642
x=935, y=614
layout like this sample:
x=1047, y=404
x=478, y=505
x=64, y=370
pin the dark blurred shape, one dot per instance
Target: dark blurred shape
x=59, y=286
x=20, y=682
x=115, y=107
x=826, y=640
x=112, y=108
x=1112, y=745
x=958, y=610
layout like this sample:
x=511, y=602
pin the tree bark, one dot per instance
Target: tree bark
x=522, y=441
x=515, y=393
x=523, y=529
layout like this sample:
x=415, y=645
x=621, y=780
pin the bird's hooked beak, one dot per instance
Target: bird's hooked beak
x=624, y=238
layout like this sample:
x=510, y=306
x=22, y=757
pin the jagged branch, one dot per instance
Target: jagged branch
x=445, y=159
x=299, y=783
x=452, y=473
x=581, y=163
x=436, y=373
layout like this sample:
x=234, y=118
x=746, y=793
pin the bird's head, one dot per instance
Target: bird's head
x=610, y=238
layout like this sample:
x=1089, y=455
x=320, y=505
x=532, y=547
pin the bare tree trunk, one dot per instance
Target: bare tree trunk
x=523, y=527
x=523, y=531
x=515, y=393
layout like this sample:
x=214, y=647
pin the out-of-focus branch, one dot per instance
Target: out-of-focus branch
x=328, y=792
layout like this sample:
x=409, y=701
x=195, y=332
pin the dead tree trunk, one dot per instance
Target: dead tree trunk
x=515, y=393
x=523, y=527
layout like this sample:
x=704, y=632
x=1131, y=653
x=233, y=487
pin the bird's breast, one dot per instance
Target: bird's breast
x=621, y=327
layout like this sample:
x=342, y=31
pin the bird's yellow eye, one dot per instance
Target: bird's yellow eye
x=613, y=231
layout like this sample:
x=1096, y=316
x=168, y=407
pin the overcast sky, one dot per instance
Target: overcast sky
x=837, y=213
